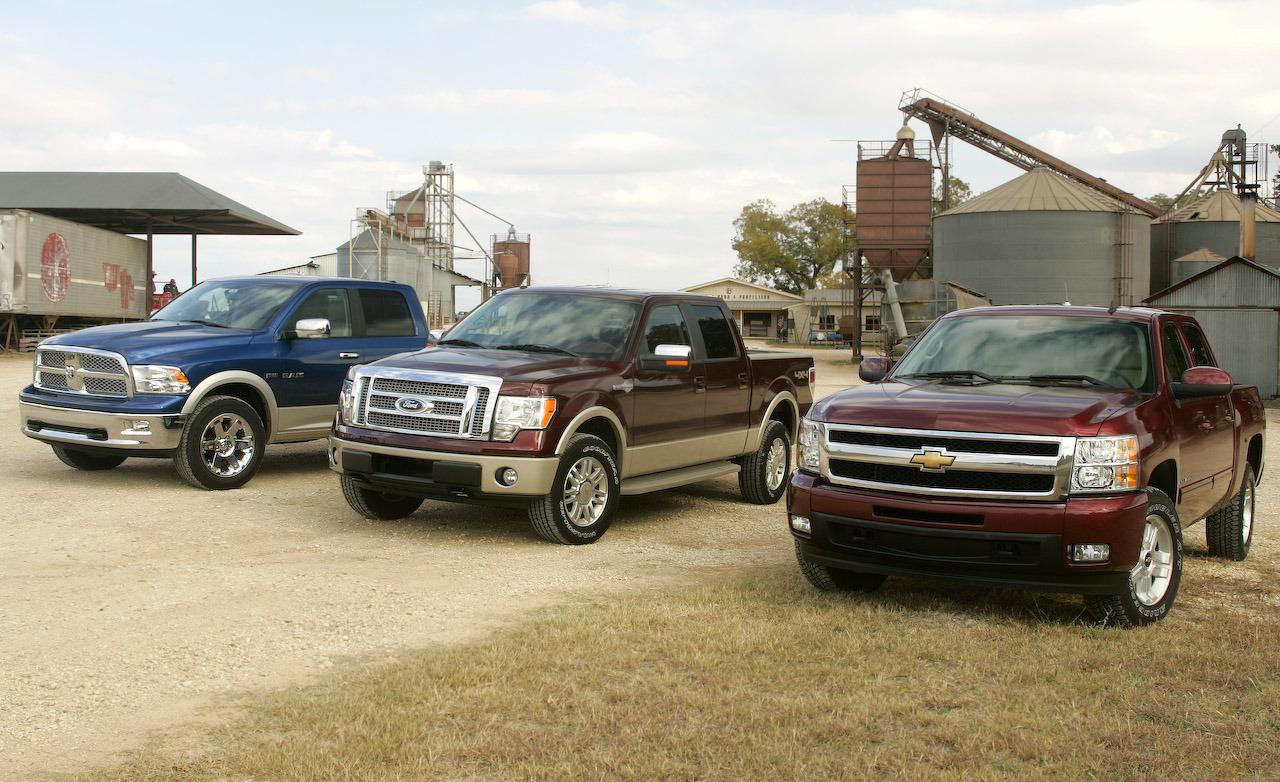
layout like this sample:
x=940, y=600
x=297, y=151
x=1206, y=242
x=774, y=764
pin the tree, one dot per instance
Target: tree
x=1162, y=200
x=790, y=250
x=960, y=192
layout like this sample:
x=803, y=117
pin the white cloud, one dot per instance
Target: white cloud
x=574, y=12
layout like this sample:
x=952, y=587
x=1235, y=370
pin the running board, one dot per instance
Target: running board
x=673, y=478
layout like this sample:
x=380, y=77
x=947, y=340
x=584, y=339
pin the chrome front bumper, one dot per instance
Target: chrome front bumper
x=91, y=429
x=537, y=474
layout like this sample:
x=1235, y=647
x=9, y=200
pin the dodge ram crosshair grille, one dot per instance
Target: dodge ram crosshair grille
x=947, y=463
x=82, y=371
x=427, y=403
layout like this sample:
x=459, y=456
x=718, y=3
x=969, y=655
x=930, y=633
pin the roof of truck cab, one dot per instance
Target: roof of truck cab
x=1071, y=310
x=300, y=280
x=627, y=294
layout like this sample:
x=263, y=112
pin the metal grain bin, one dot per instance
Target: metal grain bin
x=55, y=267
x=1211, y=222
x=1042, y=238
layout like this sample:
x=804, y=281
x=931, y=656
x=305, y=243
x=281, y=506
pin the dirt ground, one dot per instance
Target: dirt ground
x=131, y=602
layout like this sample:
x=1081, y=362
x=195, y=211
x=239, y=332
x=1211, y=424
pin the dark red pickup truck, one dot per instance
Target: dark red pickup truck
x=560, y=400
x=1048, y=448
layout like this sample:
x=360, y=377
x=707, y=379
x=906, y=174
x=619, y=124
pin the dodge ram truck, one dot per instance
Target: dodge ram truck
x=1046, y=448
x=219, y=372
x=561, y=400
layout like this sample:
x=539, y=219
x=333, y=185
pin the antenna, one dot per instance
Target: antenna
x=1115, y=305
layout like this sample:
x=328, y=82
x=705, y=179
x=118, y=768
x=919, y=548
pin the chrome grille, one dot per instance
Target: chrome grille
x=82, y=371
x=437, y=404
x=948, y=463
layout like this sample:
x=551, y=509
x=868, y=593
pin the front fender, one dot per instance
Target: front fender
x=233, y=377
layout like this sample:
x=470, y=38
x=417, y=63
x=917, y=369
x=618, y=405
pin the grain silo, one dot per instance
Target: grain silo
x=1212, y=222
x=1044, y=238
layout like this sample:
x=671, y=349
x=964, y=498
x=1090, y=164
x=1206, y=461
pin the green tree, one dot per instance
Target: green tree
x=1162, y=200
x=960, y=192
x=788, y=250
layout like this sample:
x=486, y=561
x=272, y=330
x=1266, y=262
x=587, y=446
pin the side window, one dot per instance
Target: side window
x=717, y=334
x=665, y=326
x=1200, y=355
x=330, y=304
x=1175, y=358
x=386, y=313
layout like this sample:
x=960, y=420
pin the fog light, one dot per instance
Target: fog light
x=800, y=524
x=507, y=476
x=1091, y=552
x=137, y=427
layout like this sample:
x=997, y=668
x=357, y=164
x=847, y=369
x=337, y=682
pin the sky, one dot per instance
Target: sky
x=625, y=137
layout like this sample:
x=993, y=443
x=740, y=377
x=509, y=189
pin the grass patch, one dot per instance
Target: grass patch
x=762, y=677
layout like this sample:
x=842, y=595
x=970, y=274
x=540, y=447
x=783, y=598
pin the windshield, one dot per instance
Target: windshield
x=1034, y=349
x=236, y=305
x=569, y=323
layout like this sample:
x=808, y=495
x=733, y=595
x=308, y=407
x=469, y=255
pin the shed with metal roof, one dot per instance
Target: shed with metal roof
x=1043, y=238
x=1211, y=222
x=1238, y=304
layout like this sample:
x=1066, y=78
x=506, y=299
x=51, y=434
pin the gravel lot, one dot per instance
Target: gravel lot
x=130, y=602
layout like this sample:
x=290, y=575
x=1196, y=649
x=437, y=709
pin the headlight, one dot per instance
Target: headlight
x=810, y=445
x=347, y=401
x=1105, y=464
x=159, y=380
x=514, y=413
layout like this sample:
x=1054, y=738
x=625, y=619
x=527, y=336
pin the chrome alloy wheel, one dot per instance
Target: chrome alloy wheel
x=1154, y=572
x=227, y=445
x=1246, y=512
x=586, y=491
x=775, y=464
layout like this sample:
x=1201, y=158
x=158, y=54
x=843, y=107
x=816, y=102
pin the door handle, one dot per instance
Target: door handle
x=348, y=355
x=743, y=380
x=699, y=384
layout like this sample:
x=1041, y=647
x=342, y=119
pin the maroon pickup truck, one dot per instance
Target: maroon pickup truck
x=560, y=400
x=1046, y=448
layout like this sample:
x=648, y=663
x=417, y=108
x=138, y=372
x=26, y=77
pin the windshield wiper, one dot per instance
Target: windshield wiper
x=462, y=343
x=1089, y=379
x=535, y=348
x=955, y=373
x=209, y=323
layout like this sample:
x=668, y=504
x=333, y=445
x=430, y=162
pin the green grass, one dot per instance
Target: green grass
x=761, y=677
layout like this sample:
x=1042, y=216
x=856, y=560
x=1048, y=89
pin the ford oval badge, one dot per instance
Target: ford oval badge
x=411, y=405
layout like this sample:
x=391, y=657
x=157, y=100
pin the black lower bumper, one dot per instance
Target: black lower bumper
x=1008, y=559
x=437, y=480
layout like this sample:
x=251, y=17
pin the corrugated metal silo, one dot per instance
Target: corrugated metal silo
x=1044, y=238
x=1212, y=222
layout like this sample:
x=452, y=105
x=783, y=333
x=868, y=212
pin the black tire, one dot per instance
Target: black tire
x=377, y=505
x=83, y=459
x=1127, y=609
x=1229, y=530
x=553, y=517
x=755, y=476
x=830, y=579
x=227, y=472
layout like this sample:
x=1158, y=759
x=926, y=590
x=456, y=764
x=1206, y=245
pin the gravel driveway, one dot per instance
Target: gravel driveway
x=131, y=602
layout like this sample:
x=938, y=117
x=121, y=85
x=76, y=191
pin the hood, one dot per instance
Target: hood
x=1064, y=411
x=150, y=340
x=515, y=367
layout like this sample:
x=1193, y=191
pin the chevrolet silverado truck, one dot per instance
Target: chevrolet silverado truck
x=561, y=400
x=1046, y=448
x=219, y=372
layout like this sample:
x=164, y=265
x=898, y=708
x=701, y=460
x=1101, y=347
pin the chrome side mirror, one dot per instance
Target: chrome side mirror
x=667, y=358
x=311, y=328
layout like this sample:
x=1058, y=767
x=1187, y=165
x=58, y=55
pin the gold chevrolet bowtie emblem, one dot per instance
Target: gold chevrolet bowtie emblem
x=933, y=460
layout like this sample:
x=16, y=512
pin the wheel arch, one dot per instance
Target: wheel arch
x=782, y=407
x=245, y=386
x=599, y=421
x=1165, y=478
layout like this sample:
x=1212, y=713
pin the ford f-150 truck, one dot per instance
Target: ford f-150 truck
x=1047, y=448
x=559, y=400
x=209, y=380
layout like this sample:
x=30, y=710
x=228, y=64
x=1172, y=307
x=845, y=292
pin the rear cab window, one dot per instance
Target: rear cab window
x=386, y=313
x=716, y=332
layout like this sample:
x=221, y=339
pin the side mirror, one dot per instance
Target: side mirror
x=667, y=358
x=872, y=369
x=310, y=328
x=1201, y=382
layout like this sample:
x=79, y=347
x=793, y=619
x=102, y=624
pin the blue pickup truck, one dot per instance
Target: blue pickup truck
x=224, y=369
